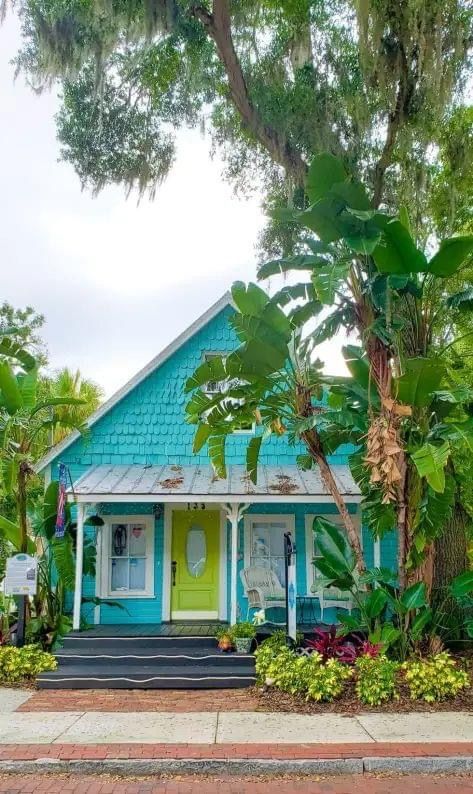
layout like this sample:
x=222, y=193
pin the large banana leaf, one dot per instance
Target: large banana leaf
x=252, y=456
x=421, y=378
x=414, y=597
x=334, y=548
x=249, y=298
x=12, y=349
x=328, y=281
x=397, y=251
x=430, y=462
x=357, y=364
x=11, y=532
x=297, y=262
x=462, y=585
x=451, y=255
x=9, y=389
x=325, y=170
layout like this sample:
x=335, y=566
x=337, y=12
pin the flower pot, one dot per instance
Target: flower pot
x=243, y=644
x=225, y=644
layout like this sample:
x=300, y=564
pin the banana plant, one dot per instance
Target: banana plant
x=366, y=269
x=273, y=381
x=23, y=417
x=400, y=620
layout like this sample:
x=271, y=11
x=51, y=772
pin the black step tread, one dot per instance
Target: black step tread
x=91, y=669
x=231, y=682
x=76, y=641
x=211, y=652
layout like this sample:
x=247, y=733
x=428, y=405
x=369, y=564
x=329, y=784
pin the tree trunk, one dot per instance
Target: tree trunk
x=450, y=556
x=330, y=483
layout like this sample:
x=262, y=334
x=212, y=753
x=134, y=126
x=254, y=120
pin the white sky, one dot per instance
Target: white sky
x=116, y=281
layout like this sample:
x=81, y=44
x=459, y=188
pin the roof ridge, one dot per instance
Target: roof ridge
x=157, y=361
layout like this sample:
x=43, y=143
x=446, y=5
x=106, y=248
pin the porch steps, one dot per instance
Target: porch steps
x=147, y=663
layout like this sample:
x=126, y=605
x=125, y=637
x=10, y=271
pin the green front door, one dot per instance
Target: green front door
x=195, y=564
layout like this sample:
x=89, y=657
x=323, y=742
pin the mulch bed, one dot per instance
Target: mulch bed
x=274, y=700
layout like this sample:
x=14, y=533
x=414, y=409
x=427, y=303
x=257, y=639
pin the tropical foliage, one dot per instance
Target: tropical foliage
x=400, y=408
x=380, y=83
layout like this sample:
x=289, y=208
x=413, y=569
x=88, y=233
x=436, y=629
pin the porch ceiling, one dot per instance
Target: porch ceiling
x=286, y=483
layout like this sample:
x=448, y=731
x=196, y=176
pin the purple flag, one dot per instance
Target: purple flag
x=61, y=502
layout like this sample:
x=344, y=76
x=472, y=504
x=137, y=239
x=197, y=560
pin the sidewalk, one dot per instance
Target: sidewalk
x=247, y=742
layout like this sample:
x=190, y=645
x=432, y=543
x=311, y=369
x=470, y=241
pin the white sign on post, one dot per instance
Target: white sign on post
x=21, y=575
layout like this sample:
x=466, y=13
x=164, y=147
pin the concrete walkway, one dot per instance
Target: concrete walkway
x=220, y=727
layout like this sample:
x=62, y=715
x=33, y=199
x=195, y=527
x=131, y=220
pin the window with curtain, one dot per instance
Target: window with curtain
x=128, y=557
x=266, y=542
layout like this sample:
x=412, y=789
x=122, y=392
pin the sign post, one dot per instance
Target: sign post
x=291, y=591
x=21, y=577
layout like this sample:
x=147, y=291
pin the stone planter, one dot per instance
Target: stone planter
x=243, y=644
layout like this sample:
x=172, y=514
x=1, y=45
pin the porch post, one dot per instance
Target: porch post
x=79, y=564
x=377, y=553
x=234, y=514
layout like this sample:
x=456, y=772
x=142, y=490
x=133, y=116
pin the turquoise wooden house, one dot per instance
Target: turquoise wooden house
x=179, y=546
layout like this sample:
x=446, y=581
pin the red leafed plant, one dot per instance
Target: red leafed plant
x=367, y=648
x=333, y=646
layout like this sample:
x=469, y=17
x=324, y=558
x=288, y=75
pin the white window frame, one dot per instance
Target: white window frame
x=335, y=518
x=224, y=354
x=105, y=566
x=266, y=518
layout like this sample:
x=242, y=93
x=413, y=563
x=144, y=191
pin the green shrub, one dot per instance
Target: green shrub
x=266, y=652
x=376, y=679
x=434, y=679
x=301, y=675
x=325, y=681
x=19, y=664
x=288, y=672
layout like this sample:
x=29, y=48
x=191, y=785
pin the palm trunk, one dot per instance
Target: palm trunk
x=313, y=445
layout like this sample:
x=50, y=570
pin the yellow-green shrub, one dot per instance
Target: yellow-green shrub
x=376, y=679
x=303, y=675
x=19, y=664
x=434, y=679
x=326, y=681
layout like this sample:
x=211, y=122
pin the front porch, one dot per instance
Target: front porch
x=176, y=541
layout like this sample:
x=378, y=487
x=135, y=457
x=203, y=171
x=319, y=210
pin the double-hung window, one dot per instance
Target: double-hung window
x=312, y=551
x=127, y=557
x=264, y=542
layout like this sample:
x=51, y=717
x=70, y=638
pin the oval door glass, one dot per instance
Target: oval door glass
x=196, y=551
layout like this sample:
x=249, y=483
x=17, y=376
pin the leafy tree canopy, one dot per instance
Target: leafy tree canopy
x=375, y=81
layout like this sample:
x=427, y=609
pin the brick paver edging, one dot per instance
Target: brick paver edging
x=98, y=752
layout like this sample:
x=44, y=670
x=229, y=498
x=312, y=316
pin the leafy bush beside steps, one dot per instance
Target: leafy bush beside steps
x=23, y=664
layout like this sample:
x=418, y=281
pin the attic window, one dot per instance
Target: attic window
x=212, y=388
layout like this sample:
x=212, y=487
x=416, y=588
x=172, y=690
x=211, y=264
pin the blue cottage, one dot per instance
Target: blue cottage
x=178, y=544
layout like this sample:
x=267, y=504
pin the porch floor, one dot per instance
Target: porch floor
x=176, y=629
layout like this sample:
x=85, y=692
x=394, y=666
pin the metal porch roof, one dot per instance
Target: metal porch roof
x=287, y=483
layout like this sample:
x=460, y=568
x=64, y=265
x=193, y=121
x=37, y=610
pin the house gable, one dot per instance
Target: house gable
x=146, y=423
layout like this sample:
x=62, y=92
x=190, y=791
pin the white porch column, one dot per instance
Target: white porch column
x=234, y=514
x=377, y=553
x=79, y=564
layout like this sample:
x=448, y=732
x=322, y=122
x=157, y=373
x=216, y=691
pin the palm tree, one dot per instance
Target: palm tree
x=69, y=383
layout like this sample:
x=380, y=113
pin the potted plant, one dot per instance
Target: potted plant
x=224, y=637
x=243, y=635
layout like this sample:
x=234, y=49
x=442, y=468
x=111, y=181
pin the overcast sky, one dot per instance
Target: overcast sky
x=116, y=281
